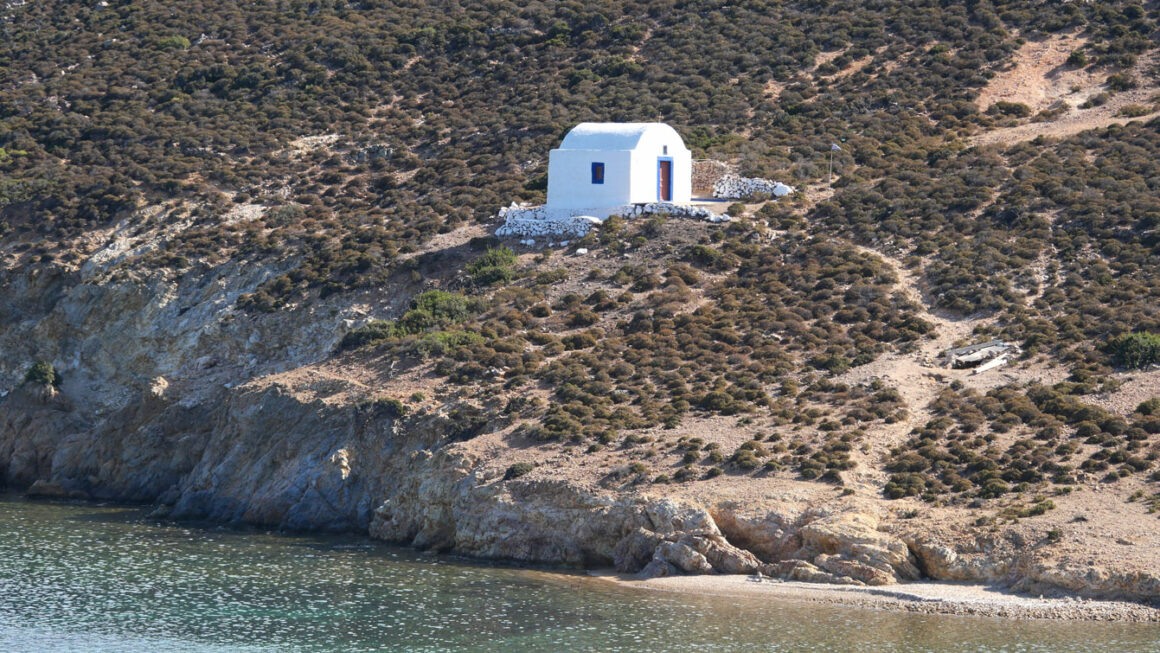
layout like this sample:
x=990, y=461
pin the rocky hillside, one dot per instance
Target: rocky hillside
x=248, y=275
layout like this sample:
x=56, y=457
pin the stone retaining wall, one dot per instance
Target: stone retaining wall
x=706, y=173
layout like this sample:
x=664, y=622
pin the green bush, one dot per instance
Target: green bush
x=1016, y=109
x=387, y=406
x=833, y=363
x=746, y=460
x=494, y=266
x=517, y=470
x=994, y=488
x=548, y=277
x=373, y=331
x=1135, y=350
x=719, y=402
x=708, y=257
x=429, y=310
x=439, y=343
x=1149, y=407
x=1121, y=82
x=42, y=373
x=905, y=485
x=441, y=307
x=1097, y=100
x=1135, y=110
x=173, y=43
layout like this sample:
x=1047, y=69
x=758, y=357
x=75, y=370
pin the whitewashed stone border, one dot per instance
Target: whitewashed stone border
x=530, y=221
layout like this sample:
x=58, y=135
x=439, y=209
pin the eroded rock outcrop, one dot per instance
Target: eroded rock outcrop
x=850, y=544
x=772, y=533
x=979, y=560
x=815, y=544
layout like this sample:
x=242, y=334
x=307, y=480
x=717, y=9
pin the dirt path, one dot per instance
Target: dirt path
x=918, y=377
x=915, y=377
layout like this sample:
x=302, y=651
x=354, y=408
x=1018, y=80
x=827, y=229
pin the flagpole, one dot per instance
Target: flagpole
x=830, y=172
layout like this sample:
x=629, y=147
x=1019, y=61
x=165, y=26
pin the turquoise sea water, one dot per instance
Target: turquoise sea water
x=105, y=578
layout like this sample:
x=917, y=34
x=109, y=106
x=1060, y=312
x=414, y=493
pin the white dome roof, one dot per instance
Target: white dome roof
x=616, y=135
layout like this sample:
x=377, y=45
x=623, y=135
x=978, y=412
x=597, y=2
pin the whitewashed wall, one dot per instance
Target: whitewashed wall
x=645, y=170
x=570, y=179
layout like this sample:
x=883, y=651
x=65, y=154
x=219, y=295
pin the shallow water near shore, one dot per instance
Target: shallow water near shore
x=105, y=578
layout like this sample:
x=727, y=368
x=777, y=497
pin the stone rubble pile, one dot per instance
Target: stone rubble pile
x=674, y=210
x=733, y=187
x=569, y=226
x=371, y=153
x=531, y=221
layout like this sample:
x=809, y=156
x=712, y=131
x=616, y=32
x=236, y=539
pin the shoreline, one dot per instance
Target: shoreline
x=927, y=597
x=922, y=597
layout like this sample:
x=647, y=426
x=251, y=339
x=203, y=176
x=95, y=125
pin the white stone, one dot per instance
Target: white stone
x=158, y=386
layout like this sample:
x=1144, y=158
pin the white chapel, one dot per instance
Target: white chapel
x=610, y=164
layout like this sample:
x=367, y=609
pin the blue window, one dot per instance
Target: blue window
x=597, y=173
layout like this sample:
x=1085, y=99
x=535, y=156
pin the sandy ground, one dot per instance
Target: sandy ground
x=923, y=597
x=1040, y=78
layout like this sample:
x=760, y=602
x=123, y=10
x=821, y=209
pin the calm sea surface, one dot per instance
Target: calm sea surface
x=105, y=578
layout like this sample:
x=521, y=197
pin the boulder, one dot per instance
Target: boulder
x=723, y=556
x=989, y=562
x=667, y=516
x=802, y=571
x=771, y=534
x=635, y=550
x=657, y=569
x=683, y=557
x=842, y=566
x=855, y=537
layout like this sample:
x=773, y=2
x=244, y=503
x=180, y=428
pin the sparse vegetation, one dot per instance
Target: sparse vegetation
x=366, y=135
x=1134, y=350
x=493, y=267
x=517, y=470
x=42, y=373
